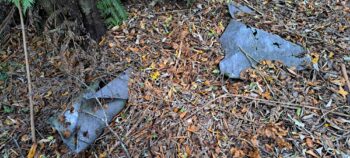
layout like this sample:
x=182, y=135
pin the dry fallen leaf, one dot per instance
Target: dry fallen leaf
x=217, y=150
x=269, y=147
x=237, y=152
x=25, y=138
x=315, y=57
x=188, y=150
x=66, y=134
x=135, y=50
x=65, y=93
x=343, y=92
x=312, y=153
x=182, y=114
x=283, y=144
x=48, y=94
x=147, y=97
x=155, y=75
x=255, y=141
x=254, y=154
x=192, y=128
x=309, y=142
x=266, y=95
x=32, y=151
x=102, y=155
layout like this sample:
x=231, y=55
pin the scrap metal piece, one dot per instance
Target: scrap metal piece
x=84, y=122
x=235, y=8
x=244, y=46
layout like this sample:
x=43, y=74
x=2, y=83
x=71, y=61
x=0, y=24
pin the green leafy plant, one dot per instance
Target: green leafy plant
x=8, y=109
x=113, y=12
x=3, y=71
x=25, y=3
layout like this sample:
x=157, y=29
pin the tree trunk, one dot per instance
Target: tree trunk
x=83, y=11
x=92, y=19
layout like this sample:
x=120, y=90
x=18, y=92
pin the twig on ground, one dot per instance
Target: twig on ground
x=178, y=55
x=241, y=118
x=6, y=20
x=19, y=148
x=343, y=69
x=250, y=6
x=30, y=93
x=250, y=58
x=267, y=84
x=345, y=135
x=137, y=123
x=172, y=11
x=117, y=143
x=325, y=114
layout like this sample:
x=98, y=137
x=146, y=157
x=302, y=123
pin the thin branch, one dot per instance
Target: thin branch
x=250, y=58
x=172, y=11
x=250, y=6
x=7, y=20
x=30, y=93
x=19, y=148
x=343, y=69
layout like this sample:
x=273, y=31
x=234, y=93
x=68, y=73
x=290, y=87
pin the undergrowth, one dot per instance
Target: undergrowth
x=113, y=12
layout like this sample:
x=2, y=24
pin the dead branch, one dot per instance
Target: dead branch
x=343, y=69
x=30, y=93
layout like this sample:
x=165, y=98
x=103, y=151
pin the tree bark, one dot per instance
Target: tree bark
x=92, y=19
x=83, y=11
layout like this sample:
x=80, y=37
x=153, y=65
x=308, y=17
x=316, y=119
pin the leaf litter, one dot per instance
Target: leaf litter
x=177, y=107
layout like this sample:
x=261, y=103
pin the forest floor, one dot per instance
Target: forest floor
x=179, y=105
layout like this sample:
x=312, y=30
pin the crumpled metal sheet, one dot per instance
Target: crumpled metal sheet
x=235, y=8
x=244, y=44
x=81, y=125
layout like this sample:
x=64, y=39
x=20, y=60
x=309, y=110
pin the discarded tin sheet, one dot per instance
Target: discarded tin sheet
x=82, y=124
x=235, y=8
x=244, y=46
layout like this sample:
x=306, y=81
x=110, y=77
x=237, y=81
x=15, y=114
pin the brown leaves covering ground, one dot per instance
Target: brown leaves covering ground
x=179, y=105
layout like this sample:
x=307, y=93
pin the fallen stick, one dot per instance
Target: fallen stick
x=6, y=21
x=29, y=81
x=250, y=6
x=343, y=69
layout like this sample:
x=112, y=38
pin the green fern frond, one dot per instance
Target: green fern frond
x=25, y=4
x=113, y=12
x=120, y=9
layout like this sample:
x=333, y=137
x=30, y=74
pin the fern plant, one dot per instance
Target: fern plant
x=25, y=3
x=113, y=12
